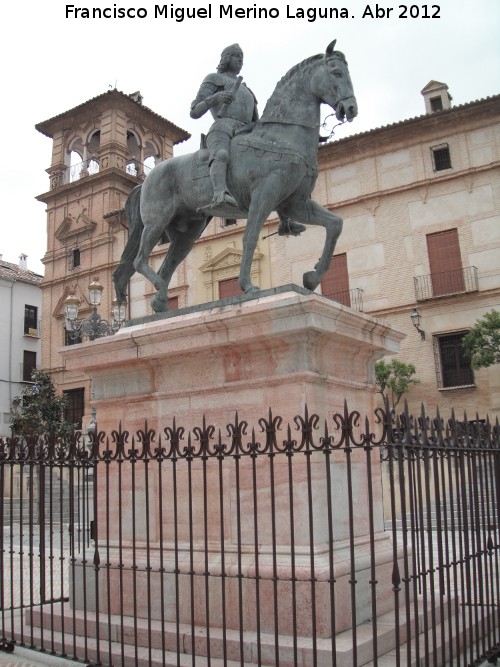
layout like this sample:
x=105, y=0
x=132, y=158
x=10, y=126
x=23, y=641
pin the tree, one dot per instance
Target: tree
x=482, y=343
x=394, y=378
x=38, y=410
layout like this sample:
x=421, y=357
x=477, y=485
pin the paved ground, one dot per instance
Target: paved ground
x=23, y=657
x=21, y=582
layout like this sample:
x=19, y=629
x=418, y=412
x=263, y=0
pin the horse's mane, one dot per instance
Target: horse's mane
x=296, y=72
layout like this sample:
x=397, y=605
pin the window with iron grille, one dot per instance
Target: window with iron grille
x=441, y=157
x=75, y=407
x=453, y=366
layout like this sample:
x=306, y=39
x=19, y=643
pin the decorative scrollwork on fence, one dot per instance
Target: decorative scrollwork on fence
x=394, y=434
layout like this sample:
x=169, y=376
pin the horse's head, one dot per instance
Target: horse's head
x=332, y=84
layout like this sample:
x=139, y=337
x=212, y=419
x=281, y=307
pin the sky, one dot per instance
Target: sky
x=52, y=62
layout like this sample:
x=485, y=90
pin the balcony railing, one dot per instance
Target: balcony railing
x=459, y=281
x=83, y=169
x=33, y=329
x=352, y=298
x=137, y=169
x=91, y=167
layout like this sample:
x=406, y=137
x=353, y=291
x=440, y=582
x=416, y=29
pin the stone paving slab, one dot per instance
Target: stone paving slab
x=23, y=657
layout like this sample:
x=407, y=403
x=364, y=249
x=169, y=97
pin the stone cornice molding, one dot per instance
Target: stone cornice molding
x=424, y=128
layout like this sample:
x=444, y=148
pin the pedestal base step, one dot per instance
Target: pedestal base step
x=444, y=643
x=137, y=643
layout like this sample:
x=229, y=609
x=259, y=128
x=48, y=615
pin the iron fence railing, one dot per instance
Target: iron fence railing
x=314, y=542
x=446, y=283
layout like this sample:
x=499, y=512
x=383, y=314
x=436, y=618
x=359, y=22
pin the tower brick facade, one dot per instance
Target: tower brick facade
x=101, y=149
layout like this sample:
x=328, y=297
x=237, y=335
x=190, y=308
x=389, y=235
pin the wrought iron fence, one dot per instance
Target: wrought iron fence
x=316, y=542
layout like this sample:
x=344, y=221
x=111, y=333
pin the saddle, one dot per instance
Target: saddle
x=201, y=167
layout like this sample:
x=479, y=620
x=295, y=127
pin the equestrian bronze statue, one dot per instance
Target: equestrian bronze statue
x=271, y=166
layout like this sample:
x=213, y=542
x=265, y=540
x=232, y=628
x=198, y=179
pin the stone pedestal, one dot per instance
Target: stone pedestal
x=285, y=350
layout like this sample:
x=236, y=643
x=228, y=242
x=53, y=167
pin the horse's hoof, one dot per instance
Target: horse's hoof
x=247, y=287
x=310, y=280
x=251, y=290
x=159, y=303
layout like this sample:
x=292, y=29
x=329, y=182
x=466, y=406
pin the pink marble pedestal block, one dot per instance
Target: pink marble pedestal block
x=281, y=351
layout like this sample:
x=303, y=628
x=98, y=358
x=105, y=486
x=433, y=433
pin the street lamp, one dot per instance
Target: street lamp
x=93, y=326
x=416, y=318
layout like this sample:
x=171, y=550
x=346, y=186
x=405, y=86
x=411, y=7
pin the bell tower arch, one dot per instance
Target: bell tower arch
x=101, y=149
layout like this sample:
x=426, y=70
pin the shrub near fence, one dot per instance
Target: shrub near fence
x=312, y=543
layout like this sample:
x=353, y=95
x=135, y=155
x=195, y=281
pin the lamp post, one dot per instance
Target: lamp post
x=93, y=326
x=416, y=318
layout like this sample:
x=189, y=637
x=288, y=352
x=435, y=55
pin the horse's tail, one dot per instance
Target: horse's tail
x=125, y=269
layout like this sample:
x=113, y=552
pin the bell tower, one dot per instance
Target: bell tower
x=101, y=149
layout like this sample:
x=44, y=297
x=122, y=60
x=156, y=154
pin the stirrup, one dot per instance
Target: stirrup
x=224, y=197
x=289, y=227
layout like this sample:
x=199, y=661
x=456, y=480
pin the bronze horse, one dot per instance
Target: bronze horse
x=272, y=168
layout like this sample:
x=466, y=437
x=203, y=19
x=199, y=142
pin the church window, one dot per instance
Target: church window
x=75, y=407
x=76, y=257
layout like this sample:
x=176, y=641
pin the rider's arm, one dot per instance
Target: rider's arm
x=211, y=94
x=204, y=100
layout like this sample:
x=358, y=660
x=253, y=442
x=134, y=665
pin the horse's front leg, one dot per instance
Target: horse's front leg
x=312, y=213
x=262, y=204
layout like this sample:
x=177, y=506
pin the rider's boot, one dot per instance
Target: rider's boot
x=218, y=174
x=288, y=227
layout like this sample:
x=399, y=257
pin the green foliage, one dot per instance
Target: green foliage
x=482, y=343
x=394, y=379
x=38, y=410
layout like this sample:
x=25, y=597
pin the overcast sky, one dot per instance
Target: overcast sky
x=51, y=63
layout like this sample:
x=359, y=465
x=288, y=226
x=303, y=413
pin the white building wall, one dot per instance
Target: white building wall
x=14, y=295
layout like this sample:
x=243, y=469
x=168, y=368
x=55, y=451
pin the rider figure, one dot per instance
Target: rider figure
x=233, y=107
x=231, y=111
